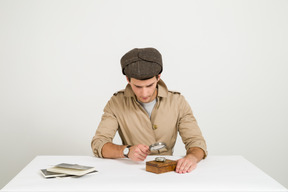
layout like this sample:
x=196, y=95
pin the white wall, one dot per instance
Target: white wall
x=59, y=65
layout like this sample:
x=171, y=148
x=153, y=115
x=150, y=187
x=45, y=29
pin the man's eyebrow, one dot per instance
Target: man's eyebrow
x=150, y=84
x=145, y=85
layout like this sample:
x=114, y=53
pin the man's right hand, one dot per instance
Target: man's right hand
x=138, y=152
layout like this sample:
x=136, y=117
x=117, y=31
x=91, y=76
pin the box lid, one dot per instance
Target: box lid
x=161, y=164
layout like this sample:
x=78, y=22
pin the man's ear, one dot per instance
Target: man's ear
x=159, y=77
x=127, y=79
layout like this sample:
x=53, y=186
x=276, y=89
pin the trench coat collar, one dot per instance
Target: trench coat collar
x=162, y=90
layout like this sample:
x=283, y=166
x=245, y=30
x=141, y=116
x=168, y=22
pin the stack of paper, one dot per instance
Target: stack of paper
x=66, y=169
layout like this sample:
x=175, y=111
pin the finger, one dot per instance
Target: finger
x=136, y=157
x=191, y=168
x=141, y=153
x=144, y=149
x=183, y=168
x=142, y=158
x=139, y=157
x=187, y=168
x=179, y=165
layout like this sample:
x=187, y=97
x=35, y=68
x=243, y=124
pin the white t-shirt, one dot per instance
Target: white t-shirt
x=149, y=106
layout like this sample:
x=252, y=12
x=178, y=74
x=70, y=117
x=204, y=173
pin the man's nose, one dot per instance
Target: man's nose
x=144, y=91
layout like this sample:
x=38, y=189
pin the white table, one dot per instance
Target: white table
x=215, y=173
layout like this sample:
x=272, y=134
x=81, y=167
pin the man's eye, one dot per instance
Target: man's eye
x=150, y=85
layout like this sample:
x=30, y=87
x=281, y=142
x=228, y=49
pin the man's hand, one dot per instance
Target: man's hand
x=186, y=164
x=189, y=162
x=138, y=152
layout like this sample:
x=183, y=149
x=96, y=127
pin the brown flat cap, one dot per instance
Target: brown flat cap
x=142, y=63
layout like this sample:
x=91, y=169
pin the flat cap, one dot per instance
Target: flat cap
x=142, y=63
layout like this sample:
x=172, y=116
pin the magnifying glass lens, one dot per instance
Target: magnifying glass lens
x=157, y=146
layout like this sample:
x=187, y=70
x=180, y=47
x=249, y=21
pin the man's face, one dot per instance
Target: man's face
x=145, y=90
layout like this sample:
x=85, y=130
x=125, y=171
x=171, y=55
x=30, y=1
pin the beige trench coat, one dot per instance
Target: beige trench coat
x=171, y=113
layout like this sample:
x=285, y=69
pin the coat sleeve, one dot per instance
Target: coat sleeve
x=105, y=131
x=188, y=127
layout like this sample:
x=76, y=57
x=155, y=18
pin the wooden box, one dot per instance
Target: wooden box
x=161, y=167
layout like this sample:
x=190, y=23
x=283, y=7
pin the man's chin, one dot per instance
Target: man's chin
x=145, y=100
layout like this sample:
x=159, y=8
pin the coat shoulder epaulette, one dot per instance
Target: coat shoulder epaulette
x=174, y=92
x=116, y=93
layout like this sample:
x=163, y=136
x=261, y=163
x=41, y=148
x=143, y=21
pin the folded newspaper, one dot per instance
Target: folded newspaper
x=66, y=169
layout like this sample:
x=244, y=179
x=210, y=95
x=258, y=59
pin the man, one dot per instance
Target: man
x=145, y=113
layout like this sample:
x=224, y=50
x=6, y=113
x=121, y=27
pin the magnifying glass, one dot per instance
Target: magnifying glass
x=157, y=146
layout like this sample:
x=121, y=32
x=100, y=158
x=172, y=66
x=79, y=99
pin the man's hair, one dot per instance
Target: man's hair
x=157, y=77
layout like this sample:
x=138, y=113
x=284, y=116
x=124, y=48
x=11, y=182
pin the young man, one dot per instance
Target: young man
x=145, y=113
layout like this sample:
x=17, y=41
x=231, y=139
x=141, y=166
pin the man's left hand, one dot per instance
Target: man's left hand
x=186, y=164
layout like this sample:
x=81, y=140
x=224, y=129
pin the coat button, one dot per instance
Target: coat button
x=155, y=127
